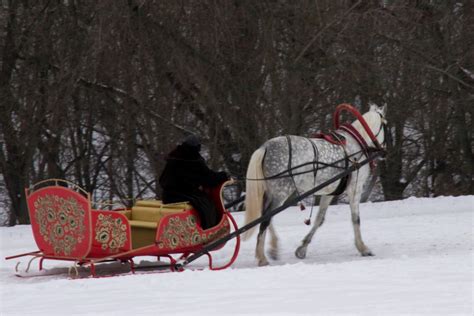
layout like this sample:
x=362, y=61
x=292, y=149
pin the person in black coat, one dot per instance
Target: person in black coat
x=184, y=176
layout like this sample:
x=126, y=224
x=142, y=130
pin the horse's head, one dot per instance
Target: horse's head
x=382, y=133
x=377, y=123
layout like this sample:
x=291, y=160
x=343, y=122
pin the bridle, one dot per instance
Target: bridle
x=387, y=136
x=349, y=108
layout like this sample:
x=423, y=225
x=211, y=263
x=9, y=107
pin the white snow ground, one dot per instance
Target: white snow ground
x=423, y=264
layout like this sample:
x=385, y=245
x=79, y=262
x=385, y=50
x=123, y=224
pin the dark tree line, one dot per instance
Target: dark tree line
x=98, y=92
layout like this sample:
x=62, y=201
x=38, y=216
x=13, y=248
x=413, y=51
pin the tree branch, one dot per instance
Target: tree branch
x=319, y=32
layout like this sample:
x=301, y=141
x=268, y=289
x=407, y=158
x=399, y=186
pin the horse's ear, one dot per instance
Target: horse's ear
x=384, y=110
x=373, y=107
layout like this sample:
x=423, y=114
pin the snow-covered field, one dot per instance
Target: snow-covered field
x=423, y=264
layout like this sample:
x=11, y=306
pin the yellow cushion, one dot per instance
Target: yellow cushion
x=144, y=218
x=154, y=210
x=143, y=233
x=152, y=203
x=159, y=204
x=127, y=213
x=144, y=224
x=140, y=213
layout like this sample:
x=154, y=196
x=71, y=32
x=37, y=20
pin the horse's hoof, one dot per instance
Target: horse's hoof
x=262, y=263
x=300, y=252
x=273, y=254
x=367, y=253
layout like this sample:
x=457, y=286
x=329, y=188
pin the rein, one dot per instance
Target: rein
x=289, y=173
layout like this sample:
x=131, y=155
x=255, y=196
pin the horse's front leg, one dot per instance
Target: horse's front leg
x=323, y=206
x=359, y=243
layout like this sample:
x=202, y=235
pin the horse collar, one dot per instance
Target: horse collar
x=360, y=140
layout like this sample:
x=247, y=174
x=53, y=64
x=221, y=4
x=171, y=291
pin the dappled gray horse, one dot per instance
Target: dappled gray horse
x=292, y=165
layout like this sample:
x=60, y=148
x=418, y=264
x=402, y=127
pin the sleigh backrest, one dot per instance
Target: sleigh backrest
x=60, y=219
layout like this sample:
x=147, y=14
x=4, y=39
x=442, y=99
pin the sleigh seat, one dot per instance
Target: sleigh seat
x=144, y=217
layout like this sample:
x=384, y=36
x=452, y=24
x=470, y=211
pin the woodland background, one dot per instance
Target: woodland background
x=98, y=92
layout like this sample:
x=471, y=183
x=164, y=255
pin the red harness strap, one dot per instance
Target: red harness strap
x=351, y=109
x=348, y=128
x=356, y=135
x=332, y=138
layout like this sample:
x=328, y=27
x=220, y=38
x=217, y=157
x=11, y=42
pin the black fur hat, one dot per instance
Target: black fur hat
x=192, y=140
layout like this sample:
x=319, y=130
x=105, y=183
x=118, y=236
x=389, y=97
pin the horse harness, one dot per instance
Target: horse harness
x=342, y=184
x=338, y=139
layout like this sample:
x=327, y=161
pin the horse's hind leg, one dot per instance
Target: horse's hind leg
x=260, y=249
x=273, y=252
x=323, y=206
x=270, y=204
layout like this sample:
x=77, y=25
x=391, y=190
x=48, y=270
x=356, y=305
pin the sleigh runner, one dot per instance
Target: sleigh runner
x=65, y=227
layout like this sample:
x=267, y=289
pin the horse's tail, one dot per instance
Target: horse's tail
x=255, y=190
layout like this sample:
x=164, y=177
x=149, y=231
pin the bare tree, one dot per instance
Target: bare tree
x=99, y=92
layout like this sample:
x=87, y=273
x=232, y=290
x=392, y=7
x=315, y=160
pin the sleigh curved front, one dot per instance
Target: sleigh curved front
x=183, y=233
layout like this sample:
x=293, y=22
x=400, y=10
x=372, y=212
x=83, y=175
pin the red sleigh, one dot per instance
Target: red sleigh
x=65, y=227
